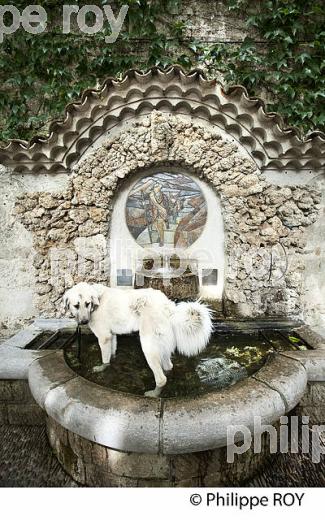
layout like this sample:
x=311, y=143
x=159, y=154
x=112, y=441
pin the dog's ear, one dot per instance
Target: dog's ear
x=94, y=301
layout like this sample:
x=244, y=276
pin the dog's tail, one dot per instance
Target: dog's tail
x=192, y=327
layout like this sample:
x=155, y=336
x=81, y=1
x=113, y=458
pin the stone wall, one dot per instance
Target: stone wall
x=17, y=274
x=264, y=224
x=314, y=297
x=213, y=21
x=16, y=251
x=20, y=280
x=94, y=465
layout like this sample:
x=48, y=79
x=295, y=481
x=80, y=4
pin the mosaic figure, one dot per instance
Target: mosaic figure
x=166, y=209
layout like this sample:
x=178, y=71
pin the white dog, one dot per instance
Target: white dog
x=163, y=325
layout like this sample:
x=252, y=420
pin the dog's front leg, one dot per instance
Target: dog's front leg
x=105, y=344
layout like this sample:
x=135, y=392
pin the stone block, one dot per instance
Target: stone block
x=316, y=414
x=286, y=376
x=47, y=373
x=71, y=463
x=314, y=395
x=188, y=465
x=81, y=447
x=56, y=431
x=98, y=454
x=183, y=419
x=12, y=391
x=97, y=413
x=143, y=465
x=317, y=393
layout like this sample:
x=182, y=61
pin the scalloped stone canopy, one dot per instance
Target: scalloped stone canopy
x=262, y=134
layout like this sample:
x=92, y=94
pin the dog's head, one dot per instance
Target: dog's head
x=80, y=301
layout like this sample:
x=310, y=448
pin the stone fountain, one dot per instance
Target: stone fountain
x=152, y=170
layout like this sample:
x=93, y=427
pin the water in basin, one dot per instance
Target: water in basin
x=230, y=357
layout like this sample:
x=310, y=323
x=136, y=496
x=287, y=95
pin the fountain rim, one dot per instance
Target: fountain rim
x=167, y=426
x=138, y=424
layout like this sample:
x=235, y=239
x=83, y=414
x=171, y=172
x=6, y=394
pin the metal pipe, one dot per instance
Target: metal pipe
x=78, y=332
x=49, y=341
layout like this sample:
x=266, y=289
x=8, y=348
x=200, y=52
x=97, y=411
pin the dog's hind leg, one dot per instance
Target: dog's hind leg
x=160, y=378
x=105, y=344
x=168, y=365
x=158, y=343
x=151, y=352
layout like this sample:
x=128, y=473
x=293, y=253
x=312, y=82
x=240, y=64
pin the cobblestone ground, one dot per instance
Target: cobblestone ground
x=26, y=460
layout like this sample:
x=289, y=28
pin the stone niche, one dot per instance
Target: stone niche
x=258, y=201
x=167, y=232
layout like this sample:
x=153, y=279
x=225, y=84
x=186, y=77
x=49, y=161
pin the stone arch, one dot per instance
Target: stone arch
x=257, y=215
x=171, y=91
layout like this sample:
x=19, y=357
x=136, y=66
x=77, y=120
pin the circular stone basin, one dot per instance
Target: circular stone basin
x=105, y=432
x=229, y=358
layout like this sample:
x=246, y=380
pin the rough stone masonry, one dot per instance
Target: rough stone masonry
x=262, y=221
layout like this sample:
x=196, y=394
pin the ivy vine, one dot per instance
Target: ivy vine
x=286, y=65
x=40, y=74
x=282, y=60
